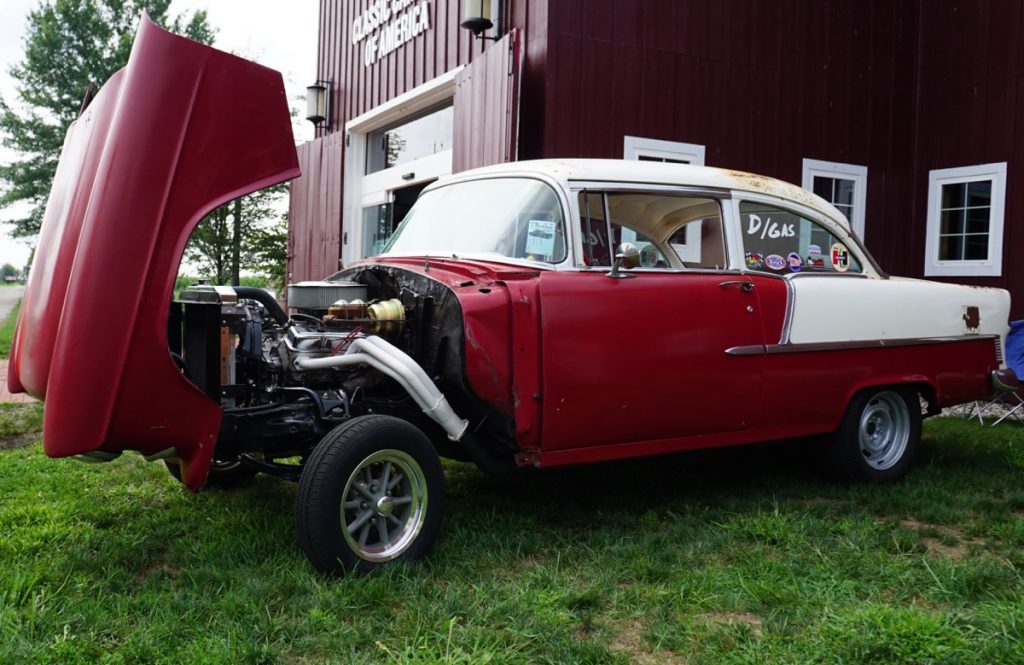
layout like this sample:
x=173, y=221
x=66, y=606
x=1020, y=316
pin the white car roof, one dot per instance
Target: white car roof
x=640, y=172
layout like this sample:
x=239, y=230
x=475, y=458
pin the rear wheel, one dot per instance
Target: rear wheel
x=371, y=493
x=879, y=437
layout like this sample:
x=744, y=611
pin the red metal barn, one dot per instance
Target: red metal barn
x=907, y=115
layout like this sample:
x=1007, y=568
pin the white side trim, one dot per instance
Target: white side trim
x=858, y=174
x=830, y=308
x=991, y=267
x=635, y=146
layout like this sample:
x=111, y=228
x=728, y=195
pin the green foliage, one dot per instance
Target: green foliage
x=730, y=556
x=69, y=44
x=8, y=272
x=184, y=281
x=269, y=249
x=7, y=331
x=247, y=234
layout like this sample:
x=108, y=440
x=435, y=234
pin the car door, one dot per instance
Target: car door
x=643, y=358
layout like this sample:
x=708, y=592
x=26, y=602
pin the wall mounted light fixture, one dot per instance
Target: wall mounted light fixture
x=318, y=104
x=479, y=16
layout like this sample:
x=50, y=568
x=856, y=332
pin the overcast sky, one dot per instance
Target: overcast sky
x=281, y=35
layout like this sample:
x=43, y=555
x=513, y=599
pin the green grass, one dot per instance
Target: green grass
x=739, y=556
x=7, y=331
x=20, y=419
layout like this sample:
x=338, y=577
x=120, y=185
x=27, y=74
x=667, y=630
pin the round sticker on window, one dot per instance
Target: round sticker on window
x=775, y=262
x=795, y=262
x=840, y=257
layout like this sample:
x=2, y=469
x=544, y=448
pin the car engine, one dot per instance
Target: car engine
x=238, y=346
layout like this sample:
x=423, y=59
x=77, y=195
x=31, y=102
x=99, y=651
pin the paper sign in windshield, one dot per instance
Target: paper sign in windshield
x=540, y=237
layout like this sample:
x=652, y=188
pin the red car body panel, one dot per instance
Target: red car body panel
x=496, y=309
x=594, y=369
x=773, y=303
x=644, y=358
x=813, y=401
x=151, y=155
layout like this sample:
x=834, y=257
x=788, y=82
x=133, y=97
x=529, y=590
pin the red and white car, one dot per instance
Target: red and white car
x=534, y=314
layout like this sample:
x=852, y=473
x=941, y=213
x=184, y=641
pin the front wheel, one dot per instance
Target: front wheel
x=879, y=437
x=371, y=493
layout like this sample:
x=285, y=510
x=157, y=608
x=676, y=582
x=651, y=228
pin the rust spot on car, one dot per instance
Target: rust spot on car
x=760, y=183
x=972, y=318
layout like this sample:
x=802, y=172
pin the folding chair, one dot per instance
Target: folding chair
x=1011, y=399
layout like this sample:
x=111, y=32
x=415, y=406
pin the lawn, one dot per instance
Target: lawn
x=733, y=556
x=7, y=331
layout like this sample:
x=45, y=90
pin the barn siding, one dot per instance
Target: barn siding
x=485, y=94
x=762, y=85
x=971, y=112
x=356, y=89
x=314, y=210
x=900, y=86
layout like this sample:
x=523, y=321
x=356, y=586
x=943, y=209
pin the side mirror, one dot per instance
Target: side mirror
x=627, y=254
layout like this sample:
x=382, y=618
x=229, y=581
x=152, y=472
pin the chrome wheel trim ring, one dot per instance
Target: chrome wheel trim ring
x=384, y=505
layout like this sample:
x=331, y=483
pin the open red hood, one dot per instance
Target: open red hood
x=180, y=130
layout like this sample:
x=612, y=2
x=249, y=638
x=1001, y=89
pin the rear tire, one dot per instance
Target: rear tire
x=879, y=437
x=371, y=493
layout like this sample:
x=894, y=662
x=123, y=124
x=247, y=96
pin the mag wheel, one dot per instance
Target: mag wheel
x=372, y=492
x=879, y=436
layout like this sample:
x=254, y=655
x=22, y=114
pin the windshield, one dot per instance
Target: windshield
x=518, y=218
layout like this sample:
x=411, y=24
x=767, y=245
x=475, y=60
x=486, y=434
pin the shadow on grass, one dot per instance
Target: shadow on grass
x=964, y=473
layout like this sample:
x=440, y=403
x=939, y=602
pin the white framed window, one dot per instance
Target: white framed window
x=843, y=185
x=394, y=151
x=654, y=150
x=687, y=244
x=965, y=221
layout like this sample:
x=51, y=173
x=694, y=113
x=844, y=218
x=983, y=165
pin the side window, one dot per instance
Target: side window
x=650, y=255
x=668, y=230
x=700, y=243
x=780, y=241
x=597, y=249
x=602, y=237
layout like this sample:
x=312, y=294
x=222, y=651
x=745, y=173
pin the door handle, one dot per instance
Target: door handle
x=745, y=286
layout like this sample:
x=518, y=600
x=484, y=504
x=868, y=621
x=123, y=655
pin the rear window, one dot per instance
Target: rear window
x=780, y=241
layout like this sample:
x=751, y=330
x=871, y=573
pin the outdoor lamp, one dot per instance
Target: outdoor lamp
x=479, y=16
x=318, y=103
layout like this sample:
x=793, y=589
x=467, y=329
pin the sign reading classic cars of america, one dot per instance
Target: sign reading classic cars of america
x=387, y=24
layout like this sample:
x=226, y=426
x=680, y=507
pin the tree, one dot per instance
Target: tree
x=69, y=44
x=270, y=251
x=248, y=233
x=9, y=273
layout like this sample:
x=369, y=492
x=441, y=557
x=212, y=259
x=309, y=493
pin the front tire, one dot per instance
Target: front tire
x=371, y=493
x=879, y=437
